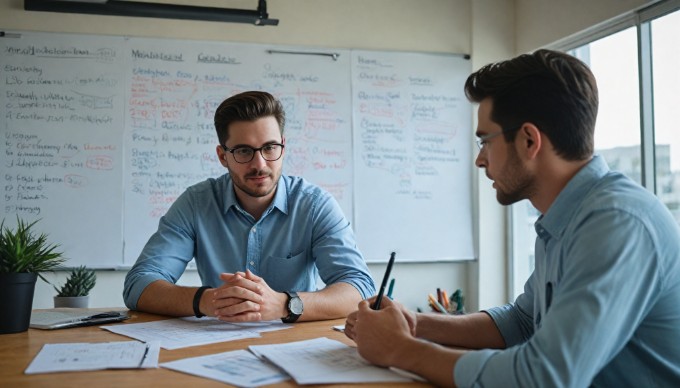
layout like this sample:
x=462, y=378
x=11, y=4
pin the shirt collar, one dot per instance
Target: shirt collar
x=555, y=220
x=281, y=197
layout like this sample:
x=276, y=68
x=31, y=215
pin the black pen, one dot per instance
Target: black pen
x=376, y=305
x=146, y=352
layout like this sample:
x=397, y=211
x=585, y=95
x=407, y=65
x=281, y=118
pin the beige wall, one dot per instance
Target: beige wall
x=422, y=25
x=492, y=40
x=489, y=30
x=541, y=22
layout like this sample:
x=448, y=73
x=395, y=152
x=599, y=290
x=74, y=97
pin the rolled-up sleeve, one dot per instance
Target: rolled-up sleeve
x=338, y=258
x=166, y=254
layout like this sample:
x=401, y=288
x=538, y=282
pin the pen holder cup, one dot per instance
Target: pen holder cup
x=72, y=301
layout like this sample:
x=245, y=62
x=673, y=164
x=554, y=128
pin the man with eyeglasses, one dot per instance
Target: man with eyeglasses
x=260, y=239
x=602, y=307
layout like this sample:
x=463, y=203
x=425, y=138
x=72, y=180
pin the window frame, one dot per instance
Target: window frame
x=640, y=19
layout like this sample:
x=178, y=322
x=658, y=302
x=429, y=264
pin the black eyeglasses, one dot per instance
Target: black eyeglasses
x=243, y=154
x=482, y=140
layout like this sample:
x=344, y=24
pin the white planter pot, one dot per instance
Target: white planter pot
x=72, y=301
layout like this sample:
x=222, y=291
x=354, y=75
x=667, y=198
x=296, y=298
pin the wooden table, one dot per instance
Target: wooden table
x=18, y=350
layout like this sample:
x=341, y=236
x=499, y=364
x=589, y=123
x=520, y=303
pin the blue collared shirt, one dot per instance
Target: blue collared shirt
x=602, y=306
x=303, y=235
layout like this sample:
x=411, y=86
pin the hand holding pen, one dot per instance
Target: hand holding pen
x=387, y=303
x=388, y=270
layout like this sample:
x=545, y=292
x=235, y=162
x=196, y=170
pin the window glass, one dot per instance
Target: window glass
x=613, y=60
x=666, y=71
x=523, y=216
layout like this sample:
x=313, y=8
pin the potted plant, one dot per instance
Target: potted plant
x=75, y=292
x=24, y=254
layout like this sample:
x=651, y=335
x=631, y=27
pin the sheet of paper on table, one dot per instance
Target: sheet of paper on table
x=71, y=357
x=238, y=367
x=190, y=331
x=324, y=361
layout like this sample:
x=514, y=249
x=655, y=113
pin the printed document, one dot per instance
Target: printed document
x=324, y=361
x=191, y=331
x=69, y=357
x=239, y=367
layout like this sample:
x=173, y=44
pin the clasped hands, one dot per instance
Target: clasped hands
x=244, y=297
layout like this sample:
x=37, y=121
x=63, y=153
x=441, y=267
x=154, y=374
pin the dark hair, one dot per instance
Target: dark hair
x=247, y=106
x=552, y=90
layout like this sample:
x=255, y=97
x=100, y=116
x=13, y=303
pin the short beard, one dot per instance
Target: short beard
x=256, y=194
x=520, y=183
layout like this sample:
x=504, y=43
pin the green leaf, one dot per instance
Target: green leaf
x=79, y=282
x=22, y=250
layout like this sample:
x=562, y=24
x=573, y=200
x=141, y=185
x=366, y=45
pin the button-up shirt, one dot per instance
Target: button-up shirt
x=301, y=237
x=602, y=306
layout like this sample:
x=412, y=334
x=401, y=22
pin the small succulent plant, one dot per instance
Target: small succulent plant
x=79, y=282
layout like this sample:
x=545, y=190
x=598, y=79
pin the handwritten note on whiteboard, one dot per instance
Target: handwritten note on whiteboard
x=412, y=156
x=173, y=92
x=62, y=152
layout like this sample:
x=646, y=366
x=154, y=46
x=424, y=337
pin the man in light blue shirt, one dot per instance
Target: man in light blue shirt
x=259, y=239
x=602, y=307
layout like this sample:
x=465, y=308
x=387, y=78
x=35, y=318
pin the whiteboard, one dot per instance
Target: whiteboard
x=170, y=137
x=413, y=157
x=62, y=118
x=101, y=133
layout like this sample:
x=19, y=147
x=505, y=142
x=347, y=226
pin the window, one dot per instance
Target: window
x=637, y=136
x=665, y=65
x=613, y=61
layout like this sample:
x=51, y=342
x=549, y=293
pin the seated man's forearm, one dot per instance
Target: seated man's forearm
x=471, y=331
x=162, y=297
x=334, y=301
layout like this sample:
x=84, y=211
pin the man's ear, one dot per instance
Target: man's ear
x=531, y=140
x=221, y=155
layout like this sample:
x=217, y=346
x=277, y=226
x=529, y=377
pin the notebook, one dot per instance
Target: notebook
x=63, y=317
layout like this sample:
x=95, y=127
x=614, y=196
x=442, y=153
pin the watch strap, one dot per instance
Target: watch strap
x=197, y=301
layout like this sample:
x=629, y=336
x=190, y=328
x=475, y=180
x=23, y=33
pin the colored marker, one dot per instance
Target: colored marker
x=390, y=289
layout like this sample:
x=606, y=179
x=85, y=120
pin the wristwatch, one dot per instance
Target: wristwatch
x=294, y=307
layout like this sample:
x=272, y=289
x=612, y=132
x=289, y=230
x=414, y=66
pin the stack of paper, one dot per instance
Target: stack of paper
x=324, y=361
x=317, y=361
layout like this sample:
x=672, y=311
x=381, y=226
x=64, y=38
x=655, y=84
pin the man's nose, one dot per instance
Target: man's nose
x=480, y=162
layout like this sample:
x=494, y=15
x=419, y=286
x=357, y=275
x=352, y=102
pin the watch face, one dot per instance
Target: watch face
x=295, y=305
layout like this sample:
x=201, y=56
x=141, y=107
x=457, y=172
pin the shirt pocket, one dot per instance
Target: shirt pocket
x=292, y=272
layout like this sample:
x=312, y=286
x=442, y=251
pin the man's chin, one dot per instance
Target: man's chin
x=260, y=191
x=506, y=200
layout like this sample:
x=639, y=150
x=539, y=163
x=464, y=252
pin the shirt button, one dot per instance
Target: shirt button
x=252, y=263
x=253, y=230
